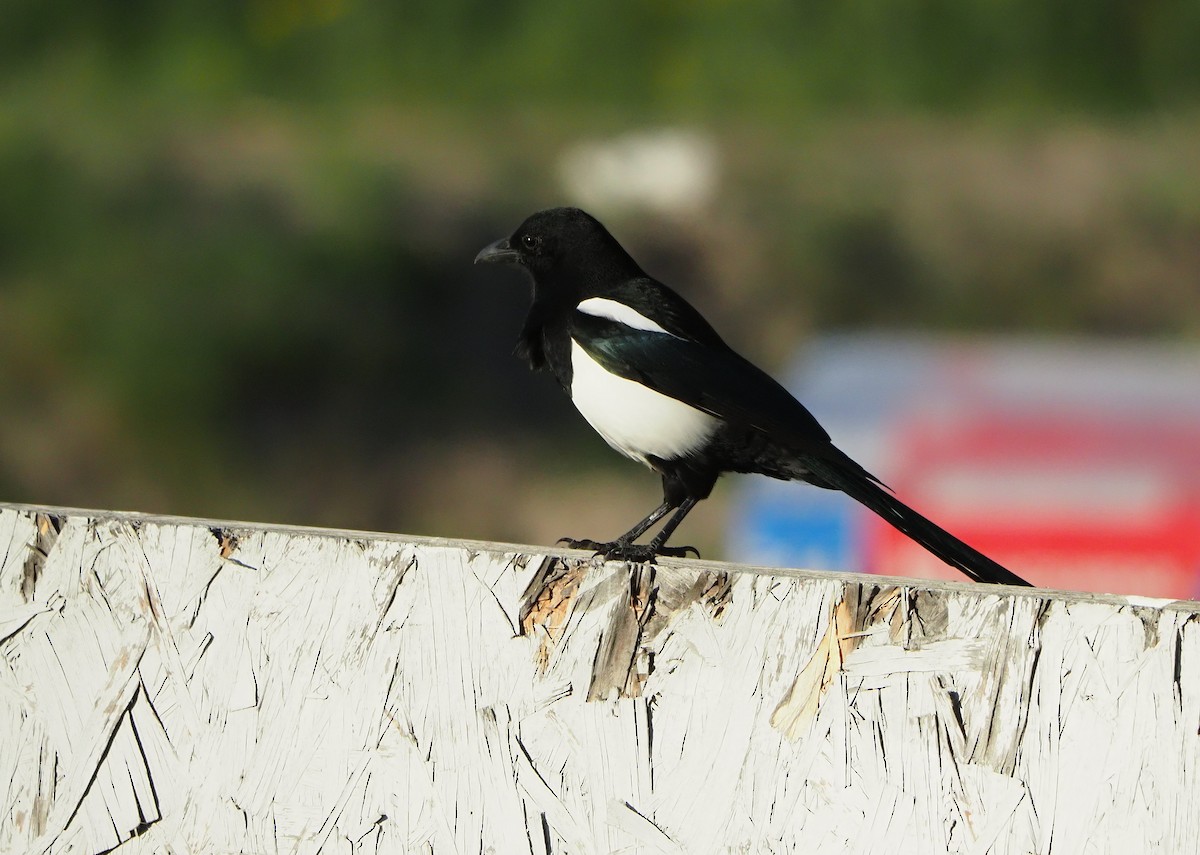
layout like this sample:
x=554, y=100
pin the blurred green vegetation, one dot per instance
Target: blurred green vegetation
x=686, y=58
x=235, y=238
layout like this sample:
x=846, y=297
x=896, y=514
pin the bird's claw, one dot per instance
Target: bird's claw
x=636, y=553
x=678, y=551
x=572, y=543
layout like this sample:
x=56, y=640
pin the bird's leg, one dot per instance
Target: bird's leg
x=624, y=540
x=624, y=548
x=656, y=545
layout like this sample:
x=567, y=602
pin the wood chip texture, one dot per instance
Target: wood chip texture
x=184, y=686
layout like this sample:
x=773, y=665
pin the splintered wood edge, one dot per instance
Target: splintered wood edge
x=237, y=528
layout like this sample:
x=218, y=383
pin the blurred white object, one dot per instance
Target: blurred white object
x=669, y=171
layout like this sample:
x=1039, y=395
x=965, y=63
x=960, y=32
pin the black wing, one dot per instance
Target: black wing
x=710, y=377
x=656, y=301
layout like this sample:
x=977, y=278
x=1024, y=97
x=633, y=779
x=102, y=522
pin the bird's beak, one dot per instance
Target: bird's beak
x=500, y=252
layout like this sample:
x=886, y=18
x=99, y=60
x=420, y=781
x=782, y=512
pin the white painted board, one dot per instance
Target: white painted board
x=176, y=685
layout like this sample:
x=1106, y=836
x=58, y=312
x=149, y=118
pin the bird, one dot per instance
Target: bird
x=657, y=382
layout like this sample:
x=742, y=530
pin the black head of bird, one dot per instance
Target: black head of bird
x=566, y=246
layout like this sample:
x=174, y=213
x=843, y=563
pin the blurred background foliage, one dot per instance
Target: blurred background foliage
x=236, y=238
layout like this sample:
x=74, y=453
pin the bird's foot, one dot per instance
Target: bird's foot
x=637, y=553
x=678, y=551
x=595, y=545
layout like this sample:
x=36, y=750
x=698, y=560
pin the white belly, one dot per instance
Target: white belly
x=635, y=420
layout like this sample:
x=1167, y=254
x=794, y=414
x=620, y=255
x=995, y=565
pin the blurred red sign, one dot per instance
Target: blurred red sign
x=1075, y=463
x=1062, y=500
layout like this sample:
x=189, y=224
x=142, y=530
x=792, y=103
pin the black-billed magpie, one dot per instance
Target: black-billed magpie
x=655, y=380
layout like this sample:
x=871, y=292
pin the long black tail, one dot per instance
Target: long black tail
x=840, y=472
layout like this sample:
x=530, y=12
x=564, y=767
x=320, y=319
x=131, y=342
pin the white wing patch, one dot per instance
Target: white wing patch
x=602, y=307
x=632, y=418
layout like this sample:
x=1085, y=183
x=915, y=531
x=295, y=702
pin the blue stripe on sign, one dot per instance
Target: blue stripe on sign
x=783, y=529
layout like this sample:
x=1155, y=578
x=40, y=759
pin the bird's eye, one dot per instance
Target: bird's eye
x=531, y=241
